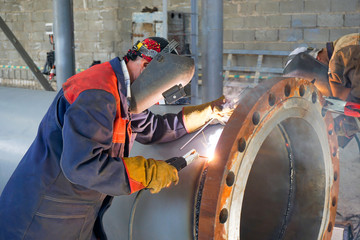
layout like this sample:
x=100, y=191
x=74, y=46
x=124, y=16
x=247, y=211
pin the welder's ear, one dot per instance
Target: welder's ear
x=144, y=64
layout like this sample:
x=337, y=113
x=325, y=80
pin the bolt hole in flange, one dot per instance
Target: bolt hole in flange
x=334, y=152
x=334, y=201
x=256, y=118
x=271, y=99
x=287, y=90
x=223, y=215
x=302, y=90
x=230, y=178
x=241, y=145
x=330, y=226
x=330, y=132
x=314, y=97
x=323, y=112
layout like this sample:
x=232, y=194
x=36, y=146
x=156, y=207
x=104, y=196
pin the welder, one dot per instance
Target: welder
x=342, y=58
x=80, y=158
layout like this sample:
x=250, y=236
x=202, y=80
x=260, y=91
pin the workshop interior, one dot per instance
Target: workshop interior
x=284, y=165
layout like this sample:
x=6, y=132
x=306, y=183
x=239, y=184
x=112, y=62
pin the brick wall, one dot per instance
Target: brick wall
x=103, y=27
x=286, y=24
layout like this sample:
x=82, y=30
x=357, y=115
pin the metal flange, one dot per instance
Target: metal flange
x=275, y=174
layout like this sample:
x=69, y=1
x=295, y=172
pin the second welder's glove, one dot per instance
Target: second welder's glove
x=149, y=173
x=196, y=116
x=346, y=126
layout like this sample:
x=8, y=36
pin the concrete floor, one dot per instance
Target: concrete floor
x=349, y=193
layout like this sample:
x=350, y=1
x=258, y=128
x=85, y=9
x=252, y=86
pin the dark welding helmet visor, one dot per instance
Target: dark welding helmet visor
x=164, y=77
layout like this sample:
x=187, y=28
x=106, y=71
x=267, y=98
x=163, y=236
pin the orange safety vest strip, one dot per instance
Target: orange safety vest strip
x=100, y=77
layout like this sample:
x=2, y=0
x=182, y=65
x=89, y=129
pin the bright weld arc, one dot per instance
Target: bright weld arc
x=211, y=145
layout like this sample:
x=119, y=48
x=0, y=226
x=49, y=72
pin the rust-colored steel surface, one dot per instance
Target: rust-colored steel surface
x=275, y=174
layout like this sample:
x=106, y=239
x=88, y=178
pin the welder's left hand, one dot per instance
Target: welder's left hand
x=222, y=112
x=196, y=116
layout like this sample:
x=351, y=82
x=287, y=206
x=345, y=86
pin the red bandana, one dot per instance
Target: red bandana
x=150, y=44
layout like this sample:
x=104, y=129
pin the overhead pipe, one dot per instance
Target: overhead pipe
x=64, y=40
x=212, y=49
x=165, y=19
x=275, y=172
x=194, y=51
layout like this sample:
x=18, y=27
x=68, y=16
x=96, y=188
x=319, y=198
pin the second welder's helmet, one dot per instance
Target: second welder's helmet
x=309, y=50
x=303, y=64
x=164, y=77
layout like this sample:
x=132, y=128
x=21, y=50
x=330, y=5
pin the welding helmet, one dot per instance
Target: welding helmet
x=309, y=50
x=164, y=77
x=303, y=65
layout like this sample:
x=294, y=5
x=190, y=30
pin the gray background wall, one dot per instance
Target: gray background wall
x=103, y=28
x=283, y=25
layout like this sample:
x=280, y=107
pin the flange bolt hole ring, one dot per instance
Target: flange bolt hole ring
x=256, y=118
x=223, y=217
x=241, y=145
x=330, y=226
x=323, y=112
x=230, y=179
x=271, y=99
x=302, y=90
x=314, y=97
x=333, y=201
x=287, y=90
x=334, y=152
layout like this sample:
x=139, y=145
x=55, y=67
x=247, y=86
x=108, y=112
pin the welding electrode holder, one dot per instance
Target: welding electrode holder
x=181, y=162
x=177, y=162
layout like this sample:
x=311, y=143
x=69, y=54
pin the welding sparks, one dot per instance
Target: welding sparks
x=211, y=144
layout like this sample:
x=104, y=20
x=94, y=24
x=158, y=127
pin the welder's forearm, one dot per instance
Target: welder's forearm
x=152, y=128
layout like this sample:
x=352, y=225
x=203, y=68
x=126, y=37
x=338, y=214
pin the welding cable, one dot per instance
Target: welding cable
x=132, y=213
x=177, y=162
x=358, y=141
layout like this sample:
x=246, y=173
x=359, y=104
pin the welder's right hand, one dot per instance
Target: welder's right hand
x=149, y=173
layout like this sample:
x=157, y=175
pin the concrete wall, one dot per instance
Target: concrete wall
x=103, y=28
x=285, y=24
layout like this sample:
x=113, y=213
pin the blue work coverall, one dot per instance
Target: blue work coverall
x=69, y=175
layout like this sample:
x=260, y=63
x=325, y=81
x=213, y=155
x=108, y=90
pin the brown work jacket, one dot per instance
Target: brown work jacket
x=344, y=65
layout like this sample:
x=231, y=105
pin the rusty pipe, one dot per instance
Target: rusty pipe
x=275, y=174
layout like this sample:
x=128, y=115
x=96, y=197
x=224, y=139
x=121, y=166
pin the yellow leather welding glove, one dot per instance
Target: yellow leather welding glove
x=194, y=117
x=149, y=173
